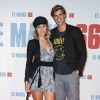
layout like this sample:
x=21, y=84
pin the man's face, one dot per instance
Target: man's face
x=59, y=17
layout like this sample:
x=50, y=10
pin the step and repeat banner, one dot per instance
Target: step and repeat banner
x=16, y=17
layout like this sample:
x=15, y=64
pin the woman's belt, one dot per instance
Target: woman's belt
x=43, y=63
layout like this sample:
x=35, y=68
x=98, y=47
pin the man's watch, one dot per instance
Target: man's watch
x=77, y=71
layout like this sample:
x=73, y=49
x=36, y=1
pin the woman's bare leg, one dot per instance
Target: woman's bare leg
x=37, y=95
x=49, y=95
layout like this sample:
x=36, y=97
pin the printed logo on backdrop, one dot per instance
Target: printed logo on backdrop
x=97, y=15
x=96, y=57
x=22, y=14
x=19, y=33
x=70, y=15
x=1, y=34
x=6, y=74
x=87, y=77
x=22, y=29
x=17, y=94
x=95, y=97
x=91, y=34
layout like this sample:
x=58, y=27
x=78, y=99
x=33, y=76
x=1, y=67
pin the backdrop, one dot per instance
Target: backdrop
x=16, y=17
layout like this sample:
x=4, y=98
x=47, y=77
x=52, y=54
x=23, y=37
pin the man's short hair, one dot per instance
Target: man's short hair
x=56, y=8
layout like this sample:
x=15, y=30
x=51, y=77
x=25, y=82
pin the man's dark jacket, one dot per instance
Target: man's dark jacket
x=74, y=47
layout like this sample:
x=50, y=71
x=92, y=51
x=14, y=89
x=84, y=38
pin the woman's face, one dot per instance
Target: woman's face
x=41, y=29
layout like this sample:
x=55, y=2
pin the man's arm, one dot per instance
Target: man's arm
x=81, y=47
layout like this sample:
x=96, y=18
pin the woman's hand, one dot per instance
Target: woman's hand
x=27, y=87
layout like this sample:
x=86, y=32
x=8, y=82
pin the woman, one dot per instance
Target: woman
x=41, y=67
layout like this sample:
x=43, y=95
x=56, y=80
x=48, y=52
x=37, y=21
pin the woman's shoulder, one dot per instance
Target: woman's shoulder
x=32, y=40
x=33, y=43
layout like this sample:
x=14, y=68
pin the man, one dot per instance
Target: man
x=70, y=57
